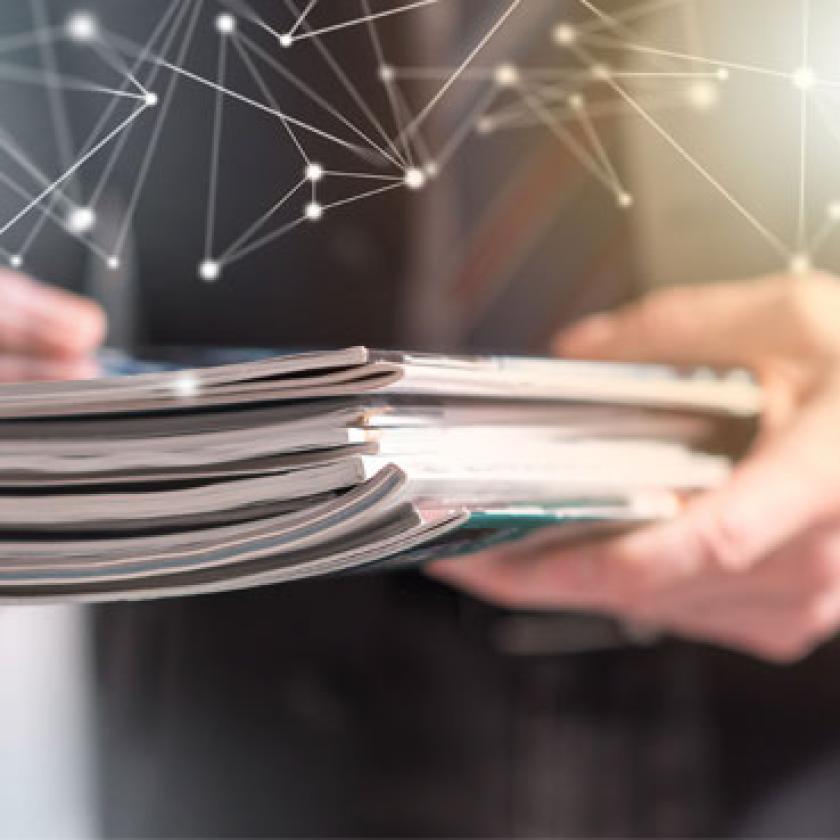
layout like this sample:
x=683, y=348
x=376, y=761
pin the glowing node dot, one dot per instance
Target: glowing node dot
x=804, y=78
x=564, y=34
x=16, y=261
x=151, y=99
x=833, y=211
x=225, y=24
x=414, y=178
x=387, y=74
x=113, y=263
x=485, y=125
x=81, y=220
x=286, y=40
x=576, y=102
x=800, y=264
x=186, y=386
x=703, y=96
x=600, y=71
x=314, y=211
x=82, y=27
x=624, y=200
x=314, y=172
x=722, y=74
x=209, y=271
x=432, y=170
x=506, y=75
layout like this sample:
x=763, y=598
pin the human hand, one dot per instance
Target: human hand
x=754, y=565
x=46, y=333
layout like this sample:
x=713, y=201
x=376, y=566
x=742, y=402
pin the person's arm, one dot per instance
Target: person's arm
x=46, y=333
x=756, y=564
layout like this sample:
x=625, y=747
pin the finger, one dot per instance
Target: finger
x=33, y=369
x=723, y=324
x=39, y=320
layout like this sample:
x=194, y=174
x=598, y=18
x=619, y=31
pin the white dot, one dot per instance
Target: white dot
x=186, y=386
x=804, y=78
x=485, y=125
x=576, y=102
x=506, y=75
x=703, y=96
x=624, y=200
x=82, y=27
x=209, y=271
x=113, y=263
x=800, y=264
x=16, y=261
x=564, y=34
x=387, y=74
x=314, y=172
x=722, y=74
x=314, y=211
x=833, y=211
x=81, y=220
x=414, y=178
x=151, y=99
x=432, y=170
x=225, y=24
x=286, y=40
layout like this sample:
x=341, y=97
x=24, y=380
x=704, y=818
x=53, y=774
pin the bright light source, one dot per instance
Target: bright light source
x=564, y=34
x=833, y=211
x=624, y=200
x=576, y=102
x=151, y=99
x=286, y=40
x=506, y=75
x=387, y=74
x=804, y=78
x=16, y=261
x=314, y=172
x=209, y=271
x=314, y=211
x=414, y=178
x=186, y=386
x=800, y=264
x=113, y=263
x=225, y=24
x=81, y=220
x=82, y=27
x=703, y=96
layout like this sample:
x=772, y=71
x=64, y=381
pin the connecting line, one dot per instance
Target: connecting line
x=357, y=21
x=318, y=100
x=58, y=111
x=145, y=166
x=599, y=148
x=218, y=120
x=381, y=63
x=234, y=249
x=768, y=235
x=23, y=75
x=636, y=11
x=269, y=97
x=461, y=134
x=48, y=212
x=119, y=147
x=31, y=39
x=266, y=240
x=5, y=228
x=566, y=137
x=116, y=63
x=412, y=128
x=801, y=230
x=351, y=90
x=302, y=17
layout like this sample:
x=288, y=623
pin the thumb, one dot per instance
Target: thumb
x=785, y=488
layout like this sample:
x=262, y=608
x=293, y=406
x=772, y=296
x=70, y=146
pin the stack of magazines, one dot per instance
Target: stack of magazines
x=256, y=473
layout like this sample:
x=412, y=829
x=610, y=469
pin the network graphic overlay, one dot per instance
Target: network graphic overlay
x=613, y=62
